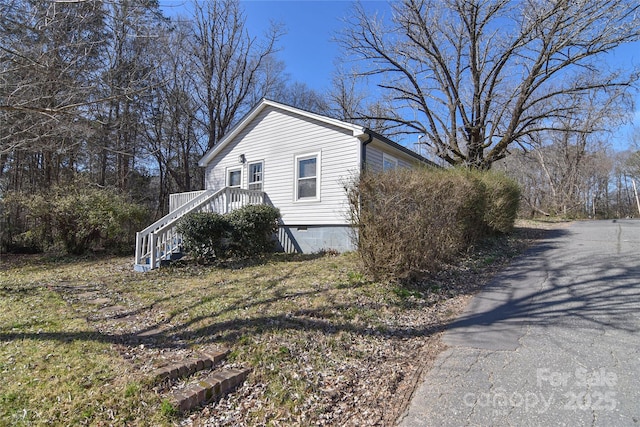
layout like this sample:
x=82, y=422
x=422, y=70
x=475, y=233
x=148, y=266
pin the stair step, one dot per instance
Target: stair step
x=210, y=388
x=206, y=359
x=175, y=256
x=141, y=268
x=199, y=391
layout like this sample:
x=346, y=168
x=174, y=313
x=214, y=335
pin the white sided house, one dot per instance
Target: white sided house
x=297, y=161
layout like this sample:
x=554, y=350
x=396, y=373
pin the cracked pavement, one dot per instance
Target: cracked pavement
x=553, y=339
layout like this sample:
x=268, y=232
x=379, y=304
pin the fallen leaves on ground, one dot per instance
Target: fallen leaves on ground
x=327, y=346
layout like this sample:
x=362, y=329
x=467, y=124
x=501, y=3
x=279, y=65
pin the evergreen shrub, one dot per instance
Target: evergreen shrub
x=205, y=235
x=247, y=231
x=253, y=228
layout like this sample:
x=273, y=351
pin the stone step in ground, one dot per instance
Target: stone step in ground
x=203, y=389
x=205, y=360
x=213, y=387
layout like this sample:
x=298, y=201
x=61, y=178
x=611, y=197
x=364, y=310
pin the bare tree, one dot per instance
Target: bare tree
x=632, y=164
x=174, y=138
x=345, y=97
x=48, y=53
x=630, y=171
x=74, y=75
x=477, y=76
x=125, y=83
x=569, y=159
x=229, y=64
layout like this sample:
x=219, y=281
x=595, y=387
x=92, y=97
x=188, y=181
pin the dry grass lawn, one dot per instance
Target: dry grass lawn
x=79, y=337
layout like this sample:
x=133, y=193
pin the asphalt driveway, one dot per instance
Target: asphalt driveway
x=554, y=340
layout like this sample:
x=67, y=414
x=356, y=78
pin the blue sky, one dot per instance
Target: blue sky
x=307, y=48
x=310, y=54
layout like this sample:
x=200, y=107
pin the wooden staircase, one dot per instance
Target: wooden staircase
x=160, y=242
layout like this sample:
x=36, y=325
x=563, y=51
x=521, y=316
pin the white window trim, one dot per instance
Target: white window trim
x=297, y=158
x=249, y=174
x=228, y=171
x=388, y=158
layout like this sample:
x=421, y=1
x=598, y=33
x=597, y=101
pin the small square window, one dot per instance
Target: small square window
x=234, y=178
x=388, y=162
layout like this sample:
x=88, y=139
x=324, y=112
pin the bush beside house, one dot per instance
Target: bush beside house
x=503, y=201
x=252, y=230
x=244, y=232
x=414, y=221
x=204, y=235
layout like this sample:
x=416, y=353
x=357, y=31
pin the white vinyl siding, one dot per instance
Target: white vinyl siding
x=276, y=137
x=376, y=153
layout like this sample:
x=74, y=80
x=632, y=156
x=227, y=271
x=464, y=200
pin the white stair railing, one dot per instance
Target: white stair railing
x=178, y=199
x=160, y=240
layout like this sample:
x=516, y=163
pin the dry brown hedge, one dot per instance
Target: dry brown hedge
x=503, y=201
x=412, y=221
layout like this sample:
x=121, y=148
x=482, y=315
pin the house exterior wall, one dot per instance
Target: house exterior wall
x=374, y=155
x=276, y=137
x=309, y=239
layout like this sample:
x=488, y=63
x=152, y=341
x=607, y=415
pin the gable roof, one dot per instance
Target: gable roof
x=357, y=131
